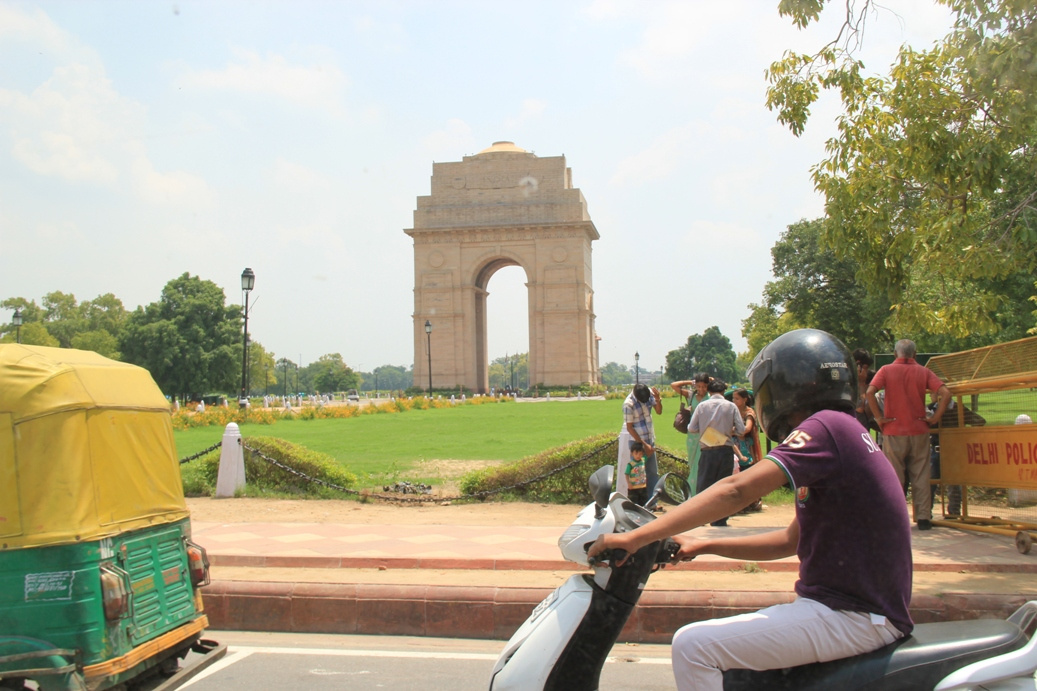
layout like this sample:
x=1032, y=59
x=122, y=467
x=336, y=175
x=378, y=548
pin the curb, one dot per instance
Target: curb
x=444, y=563
x=496, y=612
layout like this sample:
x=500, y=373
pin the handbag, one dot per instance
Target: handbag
x=682, y=419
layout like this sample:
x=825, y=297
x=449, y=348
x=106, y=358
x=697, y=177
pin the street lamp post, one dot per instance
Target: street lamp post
x=512, y=363
x=17, y=321
x=248, y=281
x=428, y=334
x=637, y=368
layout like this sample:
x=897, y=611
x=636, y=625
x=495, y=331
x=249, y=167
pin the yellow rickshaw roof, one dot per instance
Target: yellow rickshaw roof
x=86, y=448
x=37, y=380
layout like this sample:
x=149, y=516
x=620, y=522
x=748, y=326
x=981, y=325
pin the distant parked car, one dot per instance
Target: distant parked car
x=352, y=395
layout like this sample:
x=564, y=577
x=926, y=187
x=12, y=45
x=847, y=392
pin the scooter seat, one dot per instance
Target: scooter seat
x=918, y=661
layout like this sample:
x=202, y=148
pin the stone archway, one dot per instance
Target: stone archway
x=503, y=207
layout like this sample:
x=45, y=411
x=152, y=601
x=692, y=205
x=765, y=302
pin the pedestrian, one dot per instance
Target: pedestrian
x=716, y=420
x=905, y=421
x=747, y=449
x=637, y=416
x=637, y=484
x=694, y=390
x=854, y=574
x=865, y=374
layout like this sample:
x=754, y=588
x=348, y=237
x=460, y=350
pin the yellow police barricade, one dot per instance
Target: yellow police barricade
x=987, y=442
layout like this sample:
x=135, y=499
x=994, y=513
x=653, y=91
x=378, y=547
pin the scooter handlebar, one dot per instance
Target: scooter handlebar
x=608, y=556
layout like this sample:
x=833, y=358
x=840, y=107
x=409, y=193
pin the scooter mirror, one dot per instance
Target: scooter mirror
x=673, y=488
x=601, y=486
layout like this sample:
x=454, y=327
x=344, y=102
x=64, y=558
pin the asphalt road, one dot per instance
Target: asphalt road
x=261, y=662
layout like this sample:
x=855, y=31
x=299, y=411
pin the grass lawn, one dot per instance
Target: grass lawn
x=505, y=432
x=384, y=446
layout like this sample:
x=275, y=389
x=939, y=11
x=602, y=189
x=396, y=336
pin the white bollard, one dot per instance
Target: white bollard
x=231, y=477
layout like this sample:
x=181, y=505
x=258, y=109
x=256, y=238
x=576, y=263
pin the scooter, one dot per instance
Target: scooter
x=565, y=641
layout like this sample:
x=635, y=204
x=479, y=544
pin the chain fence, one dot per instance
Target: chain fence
x=426, y=498
x=212, y=448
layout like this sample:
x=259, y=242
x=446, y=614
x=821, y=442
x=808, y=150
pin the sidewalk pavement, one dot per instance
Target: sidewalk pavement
x=483, y=581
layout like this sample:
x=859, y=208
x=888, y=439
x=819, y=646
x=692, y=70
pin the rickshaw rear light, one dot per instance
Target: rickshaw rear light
x=197, y=564
x=114, y=593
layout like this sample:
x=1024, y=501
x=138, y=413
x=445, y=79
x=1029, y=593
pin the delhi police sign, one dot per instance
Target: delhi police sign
x=990, y=456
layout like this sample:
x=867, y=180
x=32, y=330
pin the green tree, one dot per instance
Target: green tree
x=330, y=373
x=33, y=333
x=500, y=371
x=931, y=183
x=708, y=352
x=388, y=378
x=31, y=312
x=285, y=372
x=813, y=287
x=615, y=374
x=99, y=341
x=62, y=317
x=189, y=340
x=105, y=312
x=261, y=375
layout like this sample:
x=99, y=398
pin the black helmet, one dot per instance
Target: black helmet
x=803, y=370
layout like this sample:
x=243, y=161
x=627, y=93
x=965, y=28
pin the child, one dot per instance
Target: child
x=637, y=482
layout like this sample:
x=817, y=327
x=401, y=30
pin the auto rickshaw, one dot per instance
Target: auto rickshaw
x=99, y=580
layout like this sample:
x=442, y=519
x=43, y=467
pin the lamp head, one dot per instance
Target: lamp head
x=248, y=280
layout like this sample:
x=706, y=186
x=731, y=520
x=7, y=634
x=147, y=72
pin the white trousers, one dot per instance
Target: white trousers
x=777, y=637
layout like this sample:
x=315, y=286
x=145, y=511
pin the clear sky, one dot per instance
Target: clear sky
x=141, y=140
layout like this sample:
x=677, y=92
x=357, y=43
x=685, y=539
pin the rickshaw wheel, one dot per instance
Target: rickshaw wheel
x=1023, y=542
x=169, y=666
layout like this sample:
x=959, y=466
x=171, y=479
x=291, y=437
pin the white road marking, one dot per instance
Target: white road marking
x=233, y=656
x=237, y=653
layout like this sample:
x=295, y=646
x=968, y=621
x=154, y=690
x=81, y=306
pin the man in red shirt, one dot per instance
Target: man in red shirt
x=905, y=422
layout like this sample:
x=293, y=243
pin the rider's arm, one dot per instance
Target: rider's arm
x=725, y=498
x=776, y=544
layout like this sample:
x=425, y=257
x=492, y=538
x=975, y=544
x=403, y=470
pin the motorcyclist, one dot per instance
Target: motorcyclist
x=851, y=531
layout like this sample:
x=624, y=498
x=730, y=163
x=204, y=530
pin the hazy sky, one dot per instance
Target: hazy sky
x=141, y=140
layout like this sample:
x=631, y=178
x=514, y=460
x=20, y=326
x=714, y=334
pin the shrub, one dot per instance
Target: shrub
x=540, y=478
x=264, y=478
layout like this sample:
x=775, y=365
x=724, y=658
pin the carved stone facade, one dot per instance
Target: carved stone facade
x=503, y=207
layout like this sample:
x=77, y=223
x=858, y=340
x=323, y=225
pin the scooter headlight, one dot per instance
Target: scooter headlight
x=571, y=533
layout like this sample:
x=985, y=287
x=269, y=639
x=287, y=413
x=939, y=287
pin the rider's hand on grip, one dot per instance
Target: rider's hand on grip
x=616, y=557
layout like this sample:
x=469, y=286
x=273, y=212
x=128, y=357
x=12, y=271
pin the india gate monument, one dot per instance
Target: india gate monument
x=504, y=206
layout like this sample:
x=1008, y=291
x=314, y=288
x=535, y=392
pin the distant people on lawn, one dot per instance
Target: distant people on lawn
x=637, y=416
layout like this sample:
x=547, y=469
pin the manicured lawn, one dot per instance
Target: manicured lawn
x=387, y=443
x=505, y=432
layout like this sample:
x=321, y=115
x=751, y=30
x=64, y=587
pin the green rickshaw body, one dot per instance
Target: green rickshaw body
x=95, y=551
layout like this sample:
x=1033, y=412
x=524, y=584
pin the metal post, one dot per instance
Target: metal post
x=248, y=280
x=428, y=333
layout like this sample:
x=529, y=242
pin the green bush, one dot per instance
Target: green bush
x=263, y=478
x=538, y=478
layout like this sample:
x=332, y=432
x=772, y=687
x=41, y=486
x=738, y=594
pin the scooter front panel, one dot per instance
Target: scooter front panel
x=532, y=652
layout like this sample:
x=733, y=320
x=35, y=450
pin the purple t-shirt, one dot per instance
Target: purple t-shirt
x=854, y=533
